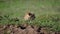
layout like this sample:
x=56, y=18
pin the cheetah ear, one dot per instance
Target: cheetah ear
x=27, y=12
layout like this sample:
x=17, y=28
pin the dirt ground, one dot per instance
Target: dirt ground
x=24, y=29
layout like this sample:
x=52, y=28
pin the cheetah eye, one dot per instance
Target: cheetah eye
x=30, y=14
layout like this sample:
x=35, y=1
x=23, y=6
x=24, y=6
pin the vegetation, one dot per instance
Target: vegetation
x=47, y=12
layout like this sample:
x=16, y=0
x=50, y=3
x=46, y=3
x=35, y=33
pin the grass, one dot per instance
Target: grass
x=47, y=12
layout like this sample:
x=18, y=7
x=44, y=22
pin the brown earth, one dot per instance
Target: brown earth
x=24, y=29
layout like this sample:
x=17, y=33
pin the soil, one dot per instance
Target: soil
x=24, y=29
